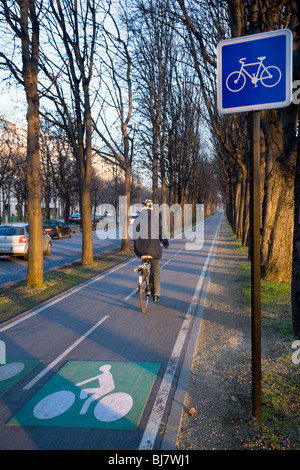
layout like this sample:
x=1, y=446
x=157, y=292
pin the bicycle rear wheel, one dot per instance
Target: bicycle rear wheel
x=144, y=293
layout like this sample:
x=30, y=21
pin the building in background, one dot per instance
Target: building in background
x=13, y=150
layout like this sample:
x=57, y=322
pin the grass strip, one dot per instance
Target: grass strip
x=280, y=429
x=276, y=309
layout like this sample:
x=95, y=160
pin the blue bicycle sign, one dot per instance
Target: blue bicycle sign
x=255, y=72
x=269, y=76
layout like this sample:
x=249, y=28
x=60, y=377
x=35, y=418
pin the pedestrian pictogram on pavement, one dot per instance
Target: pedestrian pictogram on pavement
x=91, y=394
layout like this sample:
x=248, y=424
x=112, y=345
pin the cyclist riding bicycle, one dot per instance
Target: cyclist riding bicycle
x=148, y=238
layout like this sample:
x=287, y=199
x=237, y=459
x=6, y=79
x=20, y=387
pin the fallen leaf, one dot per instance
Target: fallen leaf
x=192, y=411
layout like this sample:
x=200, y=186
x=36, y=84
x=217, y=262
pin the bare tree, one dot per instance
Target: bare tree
x=279, y=132
x=6, y=162
x=22, y=20
x=152, y=44
x=48, y=188
x=72, y=32
x=118, y=146
x=19, y=184
x=64, y=172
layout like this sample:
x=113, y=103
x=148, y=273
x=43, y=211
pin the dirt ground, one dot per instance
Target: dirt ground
x=218, y=408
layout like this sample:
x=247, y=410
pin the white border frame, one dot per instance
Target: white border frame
x=288, y=72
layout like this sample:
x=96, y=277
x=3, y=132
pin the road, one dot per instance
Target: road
x=95, y=339
x=64, y=251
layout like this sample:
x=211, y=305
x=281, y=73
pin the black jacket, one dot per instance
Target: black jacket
x=147, y=234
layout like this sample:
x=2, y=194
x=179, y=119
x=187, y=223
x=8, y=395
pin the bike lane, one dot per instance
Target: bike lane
x=68, y=342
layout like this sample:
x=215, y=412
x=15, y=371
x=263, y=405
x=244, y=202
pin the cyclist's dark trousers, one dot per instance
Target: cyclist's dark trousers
x=156, y=276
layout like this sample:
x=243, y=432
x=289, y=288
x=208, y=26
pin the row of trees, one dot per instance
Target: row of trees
x=280, y=147
x=135, y=80
x=90, y=71
x=59, y=173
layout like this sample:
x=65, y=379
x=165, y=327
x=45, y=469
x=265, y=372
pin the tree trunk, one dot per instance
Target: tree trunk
x=246, y=214
x=86, y=221
x=86, y=177
x=277, y=232
x=86, y=209
x=278, y=202
x=125, y=239
x=35, y=255
x=155, y=172
x=30, y=55
x=296, y=254
x=67, y=207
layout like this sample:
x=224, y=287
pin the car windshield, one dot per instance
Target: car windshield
x=50, y=222
x=5, y=230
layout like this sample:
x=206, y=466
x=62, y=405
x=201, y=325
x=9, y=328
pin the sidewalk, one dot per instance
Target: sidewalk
x=215, y=415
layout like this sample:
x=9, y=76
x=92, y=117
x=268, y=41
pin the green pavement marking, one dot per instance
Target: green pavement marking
x=14, y=370
x=91, y=394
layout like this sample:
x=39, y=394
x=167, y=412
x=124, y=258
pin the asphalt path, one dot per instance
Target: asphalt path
x=54, y=352
x=64, y=251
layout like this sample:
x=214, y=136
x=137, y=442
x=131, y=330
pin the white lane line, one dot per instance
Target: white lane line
x=62, y=355
x=153, y=424
x=61, y=297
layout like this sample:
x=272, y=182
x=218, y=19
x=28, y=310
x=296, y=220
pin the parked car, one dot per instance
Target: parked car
x=75, y=219
x=57, y=228
x=14, y=240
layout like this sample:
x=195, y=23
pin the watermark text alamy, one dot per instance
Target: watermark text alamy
x=187, y=222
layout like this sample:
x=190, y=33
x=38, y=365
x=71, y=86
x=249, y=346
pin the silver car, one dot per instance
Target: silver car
x=14, y=240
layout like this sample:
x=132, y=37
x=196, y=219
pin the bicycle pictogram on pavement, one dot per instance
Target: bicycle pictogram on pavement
x=91, y=394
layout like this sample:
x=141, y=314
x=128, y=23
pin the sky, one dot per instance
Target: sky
x=12, y=102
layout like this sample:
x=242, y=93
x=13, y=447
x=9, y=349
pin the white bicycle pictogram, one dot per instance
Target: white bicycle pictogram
x=10, y=370
x=110, y=407
x=268, y=76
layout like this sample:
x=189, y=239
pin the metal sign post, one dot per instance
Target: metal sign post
x=255, y=267
x=255, y=73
